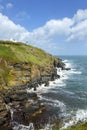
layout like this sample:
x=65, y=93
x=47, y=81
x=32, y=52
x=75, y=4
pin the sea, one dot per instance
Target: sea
x=66, y=97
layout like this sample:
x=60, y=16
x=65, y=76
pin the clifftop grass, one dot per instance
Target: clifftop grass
x=19, y=52
x=20, y=62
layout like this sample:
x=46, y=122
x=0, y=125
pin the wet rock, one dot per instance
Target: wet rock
x=47, y=83
x=67, y=68
x=35, y=88
x=58, y=76
x=61, y=65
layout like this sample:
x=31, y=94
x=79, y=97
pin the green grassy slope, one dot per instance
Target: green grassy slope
x=19, y=52
x=25, y=57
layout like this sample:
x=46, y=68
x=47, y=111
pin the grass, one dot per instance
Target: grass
x=6, y=53
x=19, y=52
x=16, y=52
x=82, y=126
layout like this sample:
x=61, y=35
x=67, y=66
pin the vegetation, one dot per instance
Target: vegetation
x=19, y=52
x=82, y=126
x=25, y=57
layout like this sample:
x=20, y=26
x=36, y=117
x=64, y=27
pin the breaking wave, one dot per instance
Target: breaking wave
x=80, y=116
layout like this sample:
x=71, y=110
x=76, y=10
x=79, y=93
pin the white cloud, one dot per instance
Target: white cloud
x=79, y=29
x=80, y=15
x=9, y=5
x=54, y=27
x=79, y=32
x=74, y=28
x=9, y=30
x=51, y=29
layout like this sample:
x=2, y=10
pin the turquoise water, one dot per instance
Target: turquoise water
x=67, y=97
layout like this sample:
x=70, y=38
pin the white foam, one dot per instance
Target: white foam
x=67, y=64
x=80, y=116
x=64, y=75
x=48, y=127
x=65, y=61
x=44, y=89
x=75, y=72
x=71, y=65
x=17, y=126
x=54, y=103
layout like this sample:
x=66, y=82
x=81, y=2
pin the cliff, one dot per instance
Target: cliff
x=23, y=66
x=21, y=63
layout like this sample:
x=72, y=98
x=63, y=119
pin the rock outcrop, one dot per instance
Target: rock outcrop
x=23, y=66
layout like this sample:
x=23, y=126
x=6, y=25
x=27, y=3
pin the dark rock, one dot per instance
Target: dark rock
x=58, y=76
x=61, y=65
x=67, y=68
x=47, y=83
x=52, y=77
x=7, y=100
x=32, y=95
x=35, y=88
x=54, y=63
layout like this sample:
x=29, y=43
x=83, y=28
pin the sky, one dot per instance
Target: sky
x=57, y=26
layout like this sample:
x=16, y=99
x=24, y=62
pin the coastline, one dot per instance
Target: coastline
x=19, y=100
x=31, y=97
x=27, y=89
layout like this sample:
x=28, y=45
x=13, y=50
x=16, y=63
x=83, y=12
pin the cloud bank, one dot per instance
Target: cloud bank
x=73, y=29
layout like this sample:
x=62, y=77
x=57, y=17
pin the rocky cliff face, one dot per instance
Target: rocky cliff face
x=23, y=66
x=21, y=63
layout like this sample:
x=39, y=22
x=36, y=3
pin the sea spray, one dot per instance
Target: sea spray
x=65, y=90
x=17, y=126
x=80, y=116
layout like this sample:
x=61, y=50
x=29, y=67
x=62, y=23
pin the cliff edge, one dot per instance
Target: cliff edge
x=21, y=63
x=21, y=66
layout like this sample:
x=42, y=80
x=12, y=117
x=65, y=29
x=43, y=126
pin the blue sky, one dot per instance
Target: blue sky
x=57, y=26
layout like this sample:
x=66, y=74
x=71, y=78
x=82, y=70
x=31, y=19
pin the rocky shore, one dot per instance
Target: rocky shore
x=24, y=68
x=22, y=107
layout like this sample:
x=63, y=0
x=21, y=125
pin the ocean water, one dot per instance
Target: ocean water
x=67, y=97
